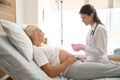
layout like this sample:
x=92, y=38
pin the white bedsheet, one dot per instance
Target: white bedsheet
x=108, y=79
x=58, y=78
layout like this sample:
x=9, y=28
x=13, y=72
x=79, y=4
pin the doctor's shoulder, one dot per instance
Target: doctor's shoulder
x=101, y=27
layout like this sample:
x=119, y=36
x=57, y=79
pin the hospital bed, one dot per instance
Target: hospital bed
x=15, y=64
x=12, y=61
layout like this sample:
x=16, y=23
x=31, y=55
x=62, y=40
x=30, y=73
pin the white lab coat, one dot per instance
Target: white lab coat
x=96, y=45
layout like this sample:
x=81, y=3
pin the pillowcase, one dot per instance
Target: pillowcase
x=18, y=38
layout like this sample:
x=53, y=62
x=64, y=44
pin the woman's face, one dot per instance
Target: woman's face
x=39, y=36
x=87, y=19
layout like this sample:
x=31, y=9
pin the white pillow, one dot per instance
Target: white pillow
x=18, y=38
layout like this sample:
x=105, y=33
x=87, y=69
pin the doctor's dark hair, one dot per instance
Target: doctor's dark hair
x=89, y=9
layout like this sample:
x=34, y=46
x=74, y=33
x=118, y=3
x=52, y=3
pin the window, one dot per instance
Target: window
x=67, y=26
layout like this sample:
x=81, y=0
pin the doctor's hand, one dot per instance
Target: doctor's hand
x=78, y=47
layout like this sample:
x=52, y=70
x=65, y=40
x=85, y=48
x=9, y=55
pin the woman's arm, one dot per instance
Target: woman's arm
x=54, y=71
x=100, y=44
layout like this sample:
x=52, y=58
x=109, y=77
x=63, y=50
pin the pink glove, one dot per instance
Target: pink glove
x=78, y=47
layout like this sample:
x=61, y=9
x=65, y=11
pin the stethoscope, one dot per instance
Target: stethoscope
x=90, y=39
x=93, y=31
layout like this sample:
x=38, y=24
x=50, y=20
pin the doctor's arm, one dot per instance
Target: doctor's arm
x=100, y=43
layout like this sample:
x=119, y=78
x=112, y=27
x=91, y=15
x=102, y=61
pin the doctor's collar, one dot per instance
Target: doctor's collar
x=93, y=27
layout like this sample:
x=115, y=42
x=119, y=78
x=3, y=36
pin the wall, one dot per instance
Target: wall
x=26, y=11
x=76, y=4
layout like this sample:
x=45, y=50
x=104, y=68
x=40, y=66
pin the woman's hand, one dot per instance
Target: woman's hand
x=53, y=71
x=78, y=47
x=79, y=58
x=71, y=58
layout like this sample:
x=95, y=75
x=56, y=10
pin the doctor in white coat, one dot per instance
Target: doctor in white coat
x=96, y=41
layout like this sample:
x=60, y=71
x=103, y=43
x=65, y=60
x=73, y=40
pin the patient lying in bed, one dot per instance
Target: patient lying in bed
x=20, y=64
x=54, y=61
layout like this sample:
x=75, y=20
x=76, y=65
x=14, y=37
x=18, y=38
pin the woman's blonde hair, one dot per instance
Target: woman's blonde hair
x=30, y=29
